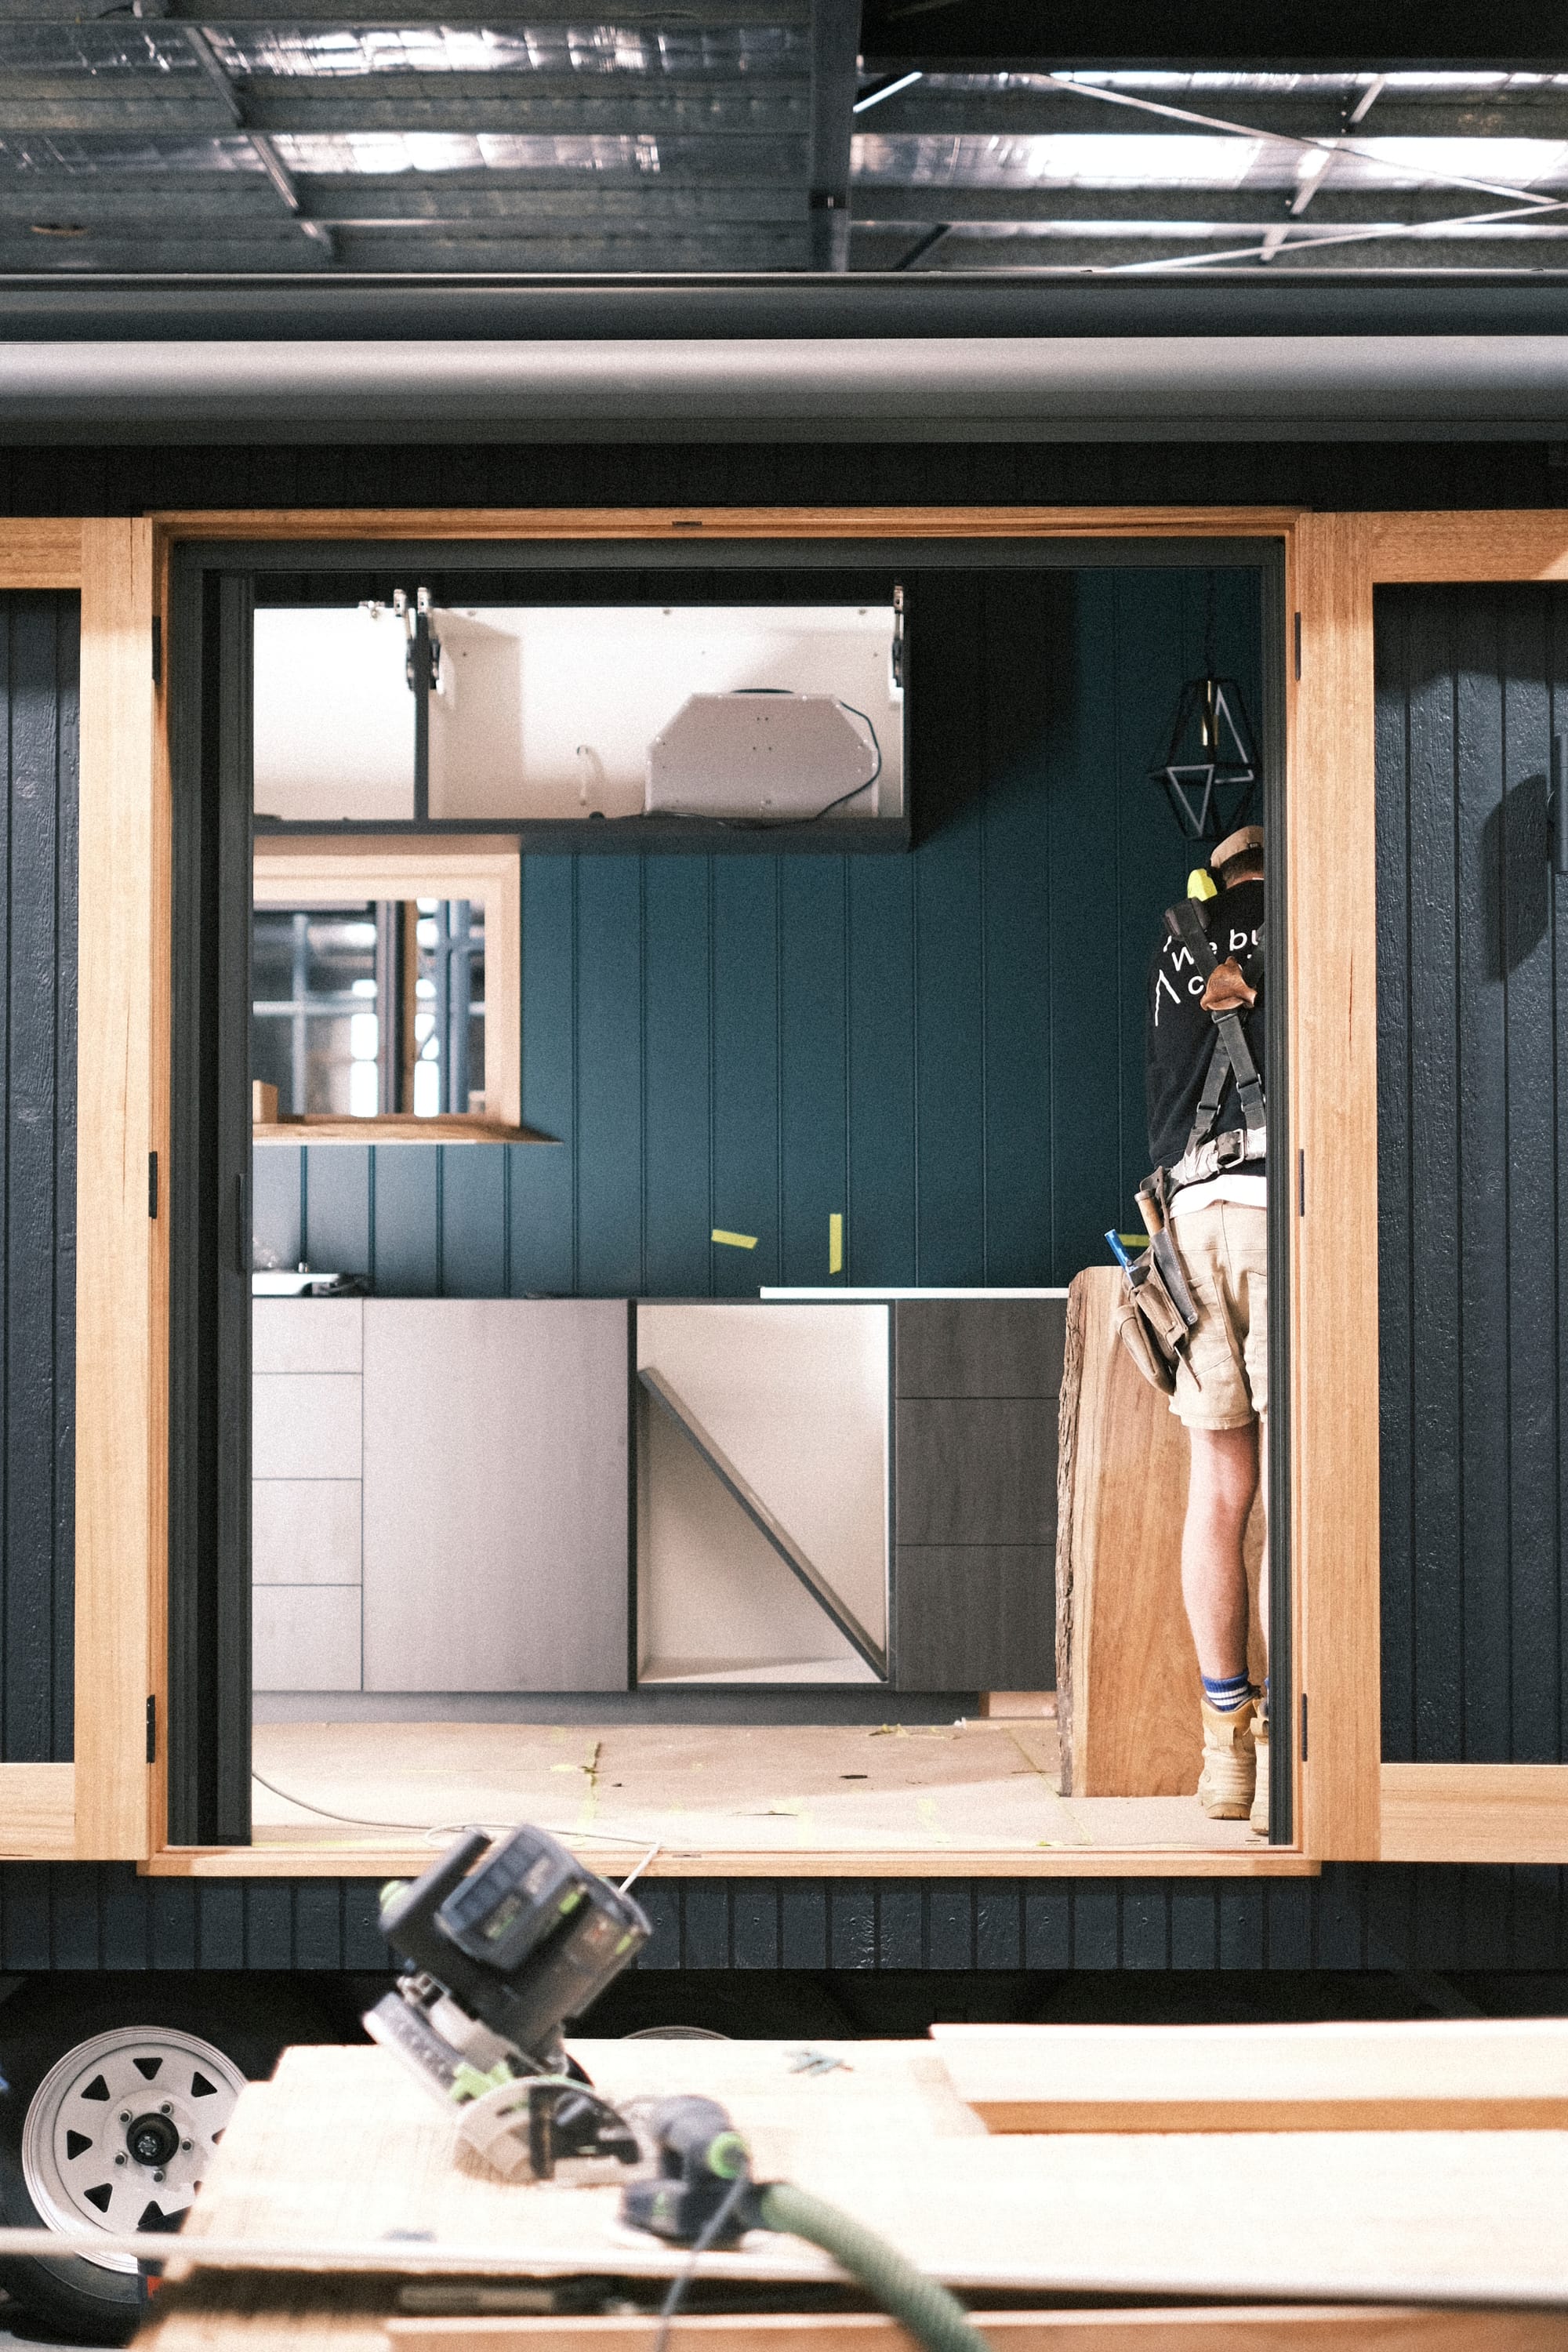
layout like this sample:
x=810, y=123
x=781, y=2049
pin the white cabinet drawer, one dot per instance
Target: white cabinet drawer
x=305, y=1425
x=306, y=1335
x=305, y=1637
x=305, y=1532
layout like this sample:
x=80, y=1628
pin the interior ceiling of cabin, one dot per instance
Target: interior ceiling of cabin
x=717, y=136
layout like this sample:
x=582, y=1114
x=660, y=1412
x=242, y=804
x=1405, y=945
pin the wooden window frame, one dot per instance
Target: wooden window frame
x=119, y=1799
x=472, y=866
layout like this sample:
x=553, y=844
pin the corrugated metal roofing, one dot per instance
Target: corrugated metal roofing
x=722, y=135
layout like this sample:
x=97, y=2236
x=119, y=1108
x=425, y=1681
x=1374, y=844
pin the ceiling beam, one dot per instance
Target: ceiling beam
x=926, y=109
x=884, y=203
x=107, y=104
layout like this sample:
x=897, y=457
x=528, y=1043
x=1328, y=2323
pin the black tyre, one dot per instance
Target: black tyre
x=115, y=2105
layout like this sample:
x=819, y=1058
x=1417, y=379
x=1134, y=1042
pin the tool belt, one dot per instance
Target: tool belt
x=1156, y=1310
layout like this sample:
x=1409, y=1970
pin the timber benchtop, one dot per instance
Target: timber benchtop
x=343, y=2163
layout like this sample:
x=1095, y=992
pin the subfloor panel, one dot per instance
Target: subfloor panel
x=705, y=1790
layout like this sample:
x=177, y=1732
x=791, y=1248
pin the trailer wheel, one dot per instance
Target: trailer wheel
x=112, y=2130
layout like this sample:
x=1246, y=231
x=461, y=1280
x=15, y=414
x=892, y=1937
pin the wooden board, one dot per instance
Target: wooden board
x=1445, y=2075
x=1127, y=1674
x=269, y=2314
x=1475, y=1812
x=1277, y=2328
x=333, y=2163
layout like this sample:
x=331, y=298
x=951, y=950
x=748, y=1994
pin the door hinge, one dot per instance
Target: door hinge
x=1303, y=1726
x=158, y=650
x=151, y=1184
x=151, y=1729
x=1298, y=645
x=1301, y=1183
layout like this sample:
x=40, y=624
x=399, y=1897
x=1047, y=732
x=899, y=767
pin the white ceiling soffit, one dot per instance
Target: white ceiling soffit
x=1011, y=388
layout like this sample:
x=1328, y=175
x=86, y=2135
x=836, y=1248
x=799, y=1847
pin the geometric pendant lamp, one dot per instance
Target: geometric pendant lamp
x=1208, y=767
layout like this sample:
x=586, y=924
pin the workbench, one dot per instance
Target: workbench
x=337, y=2201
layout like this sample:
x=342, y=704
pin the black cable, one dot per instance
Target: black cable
x=712, y=2230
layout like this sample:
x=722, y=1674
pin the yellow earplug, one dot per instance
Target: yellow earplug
x=1201, y=885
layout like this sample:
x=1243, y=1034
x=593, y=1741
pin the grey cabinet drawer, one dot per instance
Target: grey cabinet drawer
x=306, y=1335
x=975, y=1617
x=979, y=1347
x=305, y=1425
x=980, y=1471
x=495, y=1495
x=305, y=1532
x=305, y=1637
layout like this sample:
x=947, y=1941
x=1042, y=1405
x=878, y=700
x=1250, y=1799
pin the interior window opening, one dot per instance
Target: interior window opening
x=769, y=1469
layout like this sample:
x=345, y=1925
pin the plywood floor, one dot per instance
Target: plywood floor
x=694, y=1789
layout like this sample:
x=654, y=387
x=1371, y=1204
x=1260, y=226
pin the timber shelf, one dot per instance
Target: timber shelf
x=397, y=1127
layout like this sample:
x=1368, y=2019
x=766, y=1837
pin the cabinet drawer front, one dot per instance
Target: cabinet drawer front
x=979, y=1348
x=305, y=1425
x=975, y=1617
x=976, y=1471
x=305, y=1637
x=305, y=1532
x=306, y=1335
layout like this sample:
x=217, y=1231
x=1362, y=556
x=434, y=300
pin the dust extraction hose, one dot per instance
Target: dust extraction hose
x=933, y=2317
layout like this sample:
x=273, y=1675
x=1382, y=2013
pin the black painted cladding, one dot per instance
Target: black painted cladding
x=1472, y=1175
x=1335, y=475
x=38, y=649
x=1356, y=1917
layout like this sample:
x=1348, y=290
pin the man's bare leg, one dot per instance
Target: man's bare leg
x=1221, y=1488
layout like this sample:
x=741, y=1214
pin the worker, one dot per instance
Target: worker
x=1206, y=1133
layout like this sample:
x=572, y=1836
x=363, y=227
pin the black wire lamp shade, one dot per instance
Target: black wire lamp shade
x=1209, y=767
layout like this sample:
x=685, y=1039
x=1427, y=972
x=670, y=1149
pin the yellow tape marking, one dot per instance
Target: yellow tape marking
x=734, y=1241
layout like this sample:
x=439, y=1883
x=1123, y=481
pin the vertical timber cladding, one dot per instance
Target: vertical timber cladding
x=39, y=651
x=1473, y=1174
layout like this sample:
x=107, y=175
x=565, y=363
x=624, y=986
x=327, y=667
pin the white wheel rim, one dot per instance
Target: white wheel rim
x=120, y=2131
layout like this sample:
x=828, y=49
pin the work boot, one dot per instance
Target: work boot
x=1229, y=1775
x=1258, y=1820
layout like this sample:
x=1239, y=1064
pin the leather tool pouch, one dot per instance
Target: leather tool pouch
x=1156, y=1309
x=1149, y=1325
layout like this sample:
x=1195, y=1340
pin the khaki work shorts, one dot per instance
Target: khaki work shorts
x=1222, y=1382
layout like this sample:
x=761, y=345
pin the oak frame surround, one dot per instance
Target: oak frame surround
x=1347, y=1804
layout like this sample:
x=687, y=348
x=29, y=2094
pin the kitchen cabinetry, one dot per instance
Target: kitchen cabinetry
x=440, y=1495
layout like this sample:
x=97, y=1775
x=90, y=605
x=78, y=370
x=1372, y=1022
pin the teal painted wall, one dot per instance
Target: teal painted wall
x=947, y=1047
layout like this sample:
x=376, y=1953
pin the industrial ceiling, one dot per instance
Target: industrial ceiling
x=703, y=137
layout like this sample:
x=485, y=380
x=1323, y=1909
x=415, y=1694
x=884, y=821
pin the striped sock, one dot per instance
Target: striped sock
x=1225, y=1695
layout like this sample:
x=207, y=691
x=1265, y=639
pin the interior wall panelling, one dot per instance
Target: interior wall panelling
x=945, y=1047
x=40, y=640
x=1391, y=1916
x=1473, y=1174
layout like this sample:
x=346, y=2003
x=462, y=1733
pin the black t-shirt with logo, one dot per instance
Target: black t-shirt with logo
x=1181, y=1036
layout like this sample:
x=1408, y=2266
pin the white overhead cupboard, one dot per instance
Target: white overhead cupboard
x=461, y=1496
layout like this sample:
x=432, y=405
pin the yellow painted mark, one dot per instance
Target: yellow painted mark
x=734, y=1241
x=835, y=1244
x=930, y=1821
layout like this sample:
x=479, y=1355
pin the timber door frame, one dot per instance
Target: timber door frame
x=1333, y=1595
x=1402, y=1812
x=100, y=1805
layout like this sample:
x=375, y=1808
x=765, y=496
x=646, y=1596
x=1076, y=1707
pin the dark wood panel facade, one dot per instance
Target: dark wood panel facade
x=1472, y=1175
x=39, y=637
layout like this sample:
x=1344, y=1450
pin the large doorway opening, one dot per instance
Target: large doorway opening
x=660, y=1057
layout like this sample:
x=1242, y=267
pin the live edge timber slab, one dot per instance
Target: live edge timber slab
x=331, y=2167
x=1448, y=2075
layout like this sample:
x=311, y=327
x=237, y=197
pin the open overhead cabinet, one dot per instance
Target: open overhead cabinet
x=1348, y=1804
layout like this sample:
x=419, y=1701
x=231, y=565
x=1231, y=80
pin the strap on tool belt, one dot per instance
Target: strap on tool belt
x=1206, y=1154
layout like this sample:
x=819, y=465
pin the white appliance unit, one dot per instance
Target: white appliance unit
x=769, y=756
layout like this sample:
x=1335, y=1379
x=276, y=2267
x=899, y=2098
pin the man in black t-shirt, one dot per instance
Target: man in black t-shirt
x=1218, y=1223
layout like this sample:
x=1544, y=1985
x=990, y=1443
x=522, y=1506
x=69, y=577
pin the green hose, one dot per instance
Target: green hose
x=935, y=2317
